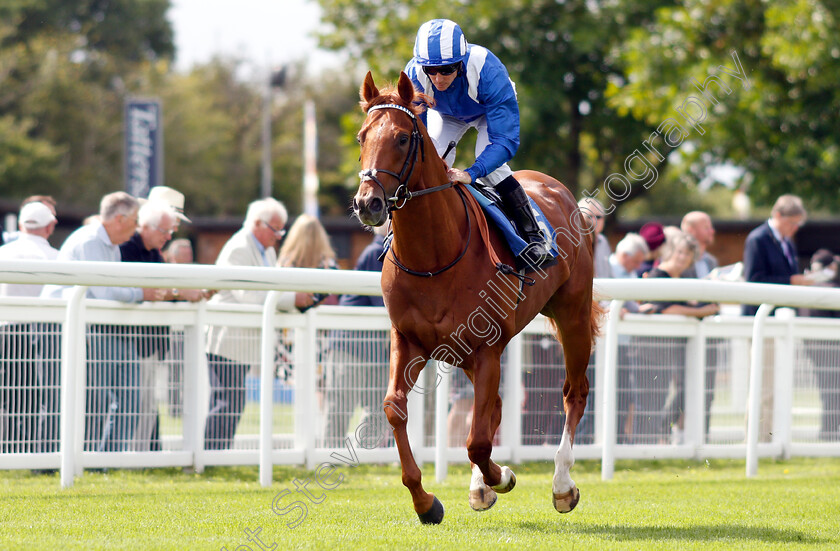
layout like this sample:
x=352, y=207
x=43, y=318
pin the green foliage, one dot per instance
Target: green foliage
x=781, y=125
x=24, y=160
x=126, y=29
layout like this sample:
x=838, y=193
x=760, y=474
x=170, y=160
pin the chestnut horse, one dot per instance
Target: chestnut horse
x=449, y=301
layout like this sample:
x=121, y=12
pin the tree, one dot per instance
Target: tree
x=775, y=118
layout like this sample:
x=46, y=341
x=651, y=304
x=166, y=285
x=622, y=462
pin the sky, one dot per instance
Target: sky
x=266, y=32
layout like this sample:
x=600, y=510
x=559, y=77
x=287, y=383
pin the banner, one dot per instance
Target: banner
x=143, y=145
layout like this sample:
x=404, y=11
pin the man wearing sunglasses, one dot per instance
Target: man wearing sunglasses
x=471, y=89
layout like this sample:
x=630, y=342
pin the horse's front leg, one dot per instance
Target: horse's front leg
x=487, y=478
x=406, y=365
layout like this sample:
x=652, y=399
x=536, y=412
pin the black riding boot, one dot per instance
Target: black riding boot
x=517, y=207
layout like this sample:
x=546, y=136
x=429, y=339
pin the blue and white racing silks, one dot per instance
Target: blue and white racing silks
x=483, y=89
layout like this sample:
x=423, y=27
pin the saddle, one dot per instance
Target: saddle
x=491, y=204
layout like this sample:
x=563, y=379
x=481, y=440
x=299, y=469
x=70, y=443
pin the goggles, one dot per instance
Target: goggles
x=444, y=70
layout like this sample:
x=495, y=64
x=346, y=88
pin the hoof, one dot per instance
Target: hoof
x=482, y=498
x=434, y=515
x=565, y=502
x=503, y=487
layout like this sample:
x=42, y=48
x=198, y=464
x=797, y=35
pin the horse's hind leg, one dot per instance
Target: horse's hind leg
x=405, y=371
x=487, y=414
x=576, y=332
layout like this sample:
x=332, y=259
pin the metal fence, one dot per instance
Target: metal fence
x=93, y=384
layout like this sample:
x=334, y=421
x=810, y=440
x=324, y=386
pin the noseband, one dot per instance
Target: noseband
x=415, y=148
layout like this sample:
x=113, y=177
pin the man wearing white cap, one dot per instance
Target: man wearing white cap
x=18, y=378
x=37, y=223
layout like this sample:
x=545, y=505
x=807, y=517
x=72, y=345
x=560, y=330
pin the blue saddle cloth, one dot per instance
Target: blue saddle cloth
x=491, y=204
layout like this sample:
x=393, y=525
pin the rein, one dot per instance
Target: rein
x=408, y=270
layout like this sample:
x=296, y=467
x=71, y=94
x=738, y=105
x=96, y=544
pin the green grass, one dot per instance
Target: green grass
x=649, y=505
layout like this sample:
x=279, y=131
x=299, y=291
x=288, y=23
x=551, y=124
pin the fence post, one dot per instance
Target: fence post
x=72, y=375
x=695, y=387
x=307, y=415
x=754, y=396
x=512, y=398
x=441, y=432
x=196, y=376
x=610, y=384
x=268, y=342
x=784, y=365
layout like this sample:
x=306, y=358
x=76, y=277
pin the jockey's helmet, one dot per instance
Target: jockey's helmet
x=439, y=42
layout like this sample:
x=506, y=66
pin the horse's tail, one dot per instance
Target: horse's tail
x=596, y=315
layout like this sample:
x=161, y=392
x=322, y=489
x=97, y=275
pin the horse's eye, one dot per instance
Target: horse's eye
x=403, y=139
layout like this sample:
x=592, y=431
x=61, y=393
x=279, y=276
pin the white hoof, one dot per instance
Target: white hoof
x=482, y=497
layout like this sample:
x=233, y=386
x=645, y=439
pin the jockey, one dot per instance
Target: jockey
x=471, y=88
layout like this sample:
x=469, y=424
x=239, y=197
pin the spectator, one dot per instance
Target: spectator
x=356, y=366
x=21, y=385
x=156, y=224
x=654, y=235
x=171, y=197
x=698, y=225
x=231, y=352
x=46, y=200
x=112, y=369
x=770, y=257
x=825, y=355
x=179, y=251
x=629, y=254
x=661, y=400
x=769, y=252
x=594, y=210
x=308, y=246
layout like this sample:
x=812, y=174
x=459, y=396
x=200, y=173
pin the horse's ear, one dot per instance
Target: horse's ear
x=368, y=91
x=405, y=88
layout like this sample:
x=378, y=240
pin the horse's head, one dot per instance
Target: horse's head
x=391, y=145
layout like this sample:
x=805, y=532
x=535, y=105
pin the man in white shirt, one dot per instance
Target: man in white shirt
x=19, y=379
x=232, y=351
x=113, y=368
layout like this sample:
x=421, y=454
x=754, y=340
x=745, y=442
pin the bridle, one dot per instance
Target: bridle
x=415, y=149
x=403, y=194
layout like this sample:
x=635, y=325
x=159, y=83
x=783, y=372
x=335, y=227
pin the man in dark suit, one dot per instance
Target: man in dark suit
x=769, y=253
x=770, y=257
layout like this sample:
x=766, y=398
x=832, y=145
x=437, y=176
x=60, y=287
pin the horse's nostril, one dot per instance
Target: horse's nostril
x=355, y=205
x=376, y=205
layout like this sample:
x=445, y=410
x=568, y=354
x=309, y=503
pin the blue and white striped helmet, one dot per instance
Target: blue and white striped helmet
x=439, y=42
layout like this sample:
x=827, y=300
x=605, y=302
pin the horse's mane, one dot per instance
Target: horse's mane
x=389, y=94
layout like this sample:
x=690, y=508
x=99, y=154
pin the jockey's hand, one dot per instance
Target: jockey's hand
x=456, y=175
